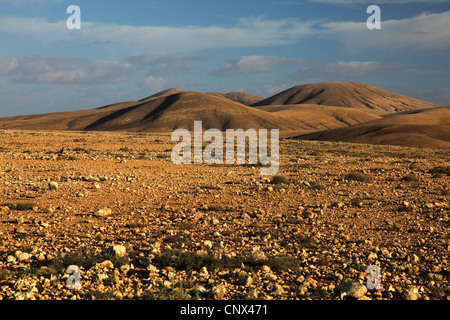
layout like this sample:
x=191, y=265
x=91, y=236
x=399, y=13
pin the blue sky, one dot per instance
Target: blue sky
x=127, y=50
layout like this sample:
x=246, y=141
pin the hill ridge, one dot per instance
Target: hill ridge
x=347, y=94
x=338, y=110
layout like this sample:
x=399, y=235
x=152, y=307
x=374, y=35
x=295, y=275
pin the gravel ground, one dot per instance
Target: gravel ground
x=137, y=226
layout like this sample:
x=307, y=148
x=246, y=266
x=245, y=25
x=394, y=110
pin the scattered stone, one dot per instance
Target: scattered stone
x=310, y=283
x=99, y=277
x=289, y=247
x=372, y=256
x=352, y=289
x=308, y=213
x=411, y=293
x=269, y=276
x=19, y=230
x=245, y=216
x=117, y=251
x=338, y=204
x=22, y=256
x=52, y=185
x=303, y=290
x=386, y=253
x=265, y=269
x=105, y=265
x=245, y=281
x=204, y=273
x=50, y=210
x=278, y=289
x=257, y=256
x=218, y=292
x=415, y=258
x=104, y=212
x=253, y=294
x=207, y=244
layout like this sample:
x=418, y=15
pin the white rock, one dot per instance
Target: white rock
x=207, y=244
x=352, y=289
x=104, y=212
x=53, y=185
x=257, y=256
x=22, y=256
x=411, y=293
x=265, y=269
x=372, y=256
x=118, y=250
x=107, y=264
x=218, y=292
x=152, y=268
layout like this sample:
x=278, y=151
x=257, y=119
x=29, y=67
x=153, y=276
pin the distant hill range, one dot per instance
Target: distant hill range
x=328, y=111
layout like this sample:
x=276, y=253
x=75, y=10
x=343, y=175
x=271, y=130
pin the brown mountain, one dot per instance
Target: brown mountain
x=164, y=93
x=164, y=111
x=343, y=111
x=347, y=94
x=241, y=97
x=69, y=120
x=315, y=117
x=429, y=128
x=182, y=109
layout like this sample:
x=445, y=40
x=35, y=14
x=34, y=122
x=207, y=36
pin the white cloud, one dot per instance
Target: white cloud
x=426, y=31
x=34, y=27
x=423, y=32
x=351, y=69
x=6, y=67
x=165, y=65
x=252, y=64
x=154, y=84
x=63, y=70
x=136, y=40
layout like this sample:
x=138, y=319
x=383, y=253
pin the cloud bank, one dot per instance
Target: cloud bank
x=63, y=70
x=253, y=64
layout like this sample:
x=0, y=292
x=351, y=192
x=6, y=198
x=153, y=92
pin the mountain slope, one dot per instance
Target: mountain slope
x=347, y=94
x=182, y=109
x=241, y=97
x=318, y=117
x=164, y=93
x=428, y=128
x=166, y=112
x=361, y=113
x=69, y=120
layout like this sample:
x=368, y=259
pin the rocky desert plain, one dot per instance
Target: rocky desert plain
x=364, y=180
